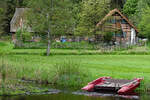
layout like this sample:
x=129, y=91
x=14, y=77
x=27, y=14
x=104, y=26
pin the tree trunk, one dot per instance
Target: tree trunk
x=48, y=33
x=49, y=43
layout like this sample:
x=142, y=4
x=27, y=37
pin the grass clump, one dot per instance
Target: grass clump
x=3, y=75
x=70, y=73
x=10, y=84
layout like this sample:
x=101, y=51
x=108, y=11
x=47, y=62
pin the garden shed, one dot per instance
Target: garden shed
x=18, y=21
x=122, y=30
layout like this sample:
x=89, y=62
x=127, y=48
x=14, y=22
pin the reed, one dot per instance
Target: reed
x=3, y=66
x=70, y=73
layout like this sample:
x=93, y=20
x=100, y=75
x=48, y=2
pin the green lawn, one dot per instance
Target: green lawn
x=116, y=66
x=32, y=64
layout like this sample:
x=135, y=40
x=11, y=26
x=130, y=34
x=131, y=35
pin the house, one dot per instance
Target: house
x=18, y=21
x=123, y=31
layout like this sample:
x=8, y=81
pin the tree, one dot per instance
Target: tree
x=117, y=4
x=50, y=16
x=134, y=9
x=144, y=24
x=92, y=12
x=76, y=9
x=1, y=20
x=130, y=7
x=3, y=5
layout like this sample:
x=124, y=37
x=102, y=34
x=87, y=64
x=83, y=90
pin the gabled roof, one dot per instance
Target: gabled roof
x=113, y=12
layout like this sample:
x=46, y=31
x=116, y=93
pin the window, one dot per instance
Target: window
x=113, y=21
x=118, y=35
x=123, y=21
x=124, y=34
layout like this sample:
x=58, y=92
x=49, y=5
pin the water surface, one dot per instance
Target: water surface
x=77, y=96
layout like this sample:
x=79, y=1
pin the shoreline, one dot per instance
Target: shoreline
x=32, y=87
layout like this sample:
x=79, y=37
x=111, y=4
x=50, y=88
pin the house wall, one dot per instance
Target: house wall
x=13, y=36
x=127, y=29
x=119, y=25
x=126, y=38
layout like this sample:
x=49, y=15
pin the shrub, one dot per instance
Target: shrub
x=72, y=45
x=32, y=45
x=57, y=45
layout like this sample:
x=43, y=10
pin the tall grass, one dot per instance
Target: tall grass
x=67, y=73
x=70, y=73
x=3, y=75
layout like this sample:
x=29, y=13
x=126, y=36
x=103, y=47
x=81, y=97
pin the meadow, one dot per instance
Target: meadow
x=74, y=68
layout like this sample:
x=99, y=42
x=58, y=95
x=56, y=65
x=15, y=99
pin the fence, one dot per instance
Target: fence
x=73, y=42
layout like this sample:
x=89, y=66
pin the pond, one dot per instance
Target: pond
x=77, y=96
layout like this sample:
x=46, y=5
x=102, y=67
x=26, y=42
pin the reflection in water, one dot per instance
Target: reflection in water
x=95, y=94
x=77, y=96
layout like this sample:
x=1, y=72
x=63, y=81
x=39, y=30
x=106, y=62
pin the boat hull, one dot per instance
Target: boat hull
x=117, y=85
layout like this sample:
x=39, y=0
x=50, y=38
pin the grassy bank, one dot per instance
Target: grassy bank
x=31, y=64
x=37, y=67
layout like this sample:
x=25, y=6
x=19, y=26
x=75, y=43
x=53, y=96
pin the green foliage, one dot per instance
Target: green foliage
x=108, y=37
x=5, y=48
x=18, y=34
x=32, y=45
x=92, y=12
x=145, y=24
x=1, y=10
x=22, y=35
x=134, y=9
x=26, y=35
x=142, y=5
x=2, y=16
x=19, y=37
x=58, y=45
x=51, y=15
x=72, y=45
x=130, y=7
x=117, y=4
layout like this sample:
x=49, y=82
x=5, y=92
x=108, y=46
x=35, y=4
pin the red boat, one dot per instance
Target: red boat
x=121, y=86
